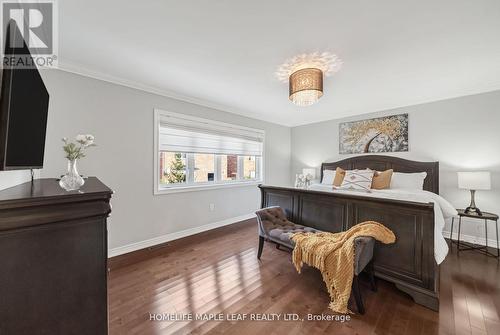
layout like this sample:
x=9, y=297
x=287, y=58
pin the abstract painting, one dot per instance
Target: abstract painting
x=383, y=134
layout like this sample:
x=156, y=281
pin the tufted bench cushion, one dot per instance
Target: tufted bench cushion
x=283, y=234
x=274, y=225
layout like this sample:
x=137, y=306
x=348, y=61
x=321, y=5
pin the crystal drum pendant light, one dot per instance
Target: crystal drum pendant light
x=306, y=86
x=304, y=74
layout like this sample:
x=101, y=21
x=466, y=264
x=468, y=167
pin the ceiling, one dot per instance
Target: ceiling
x=224, y=53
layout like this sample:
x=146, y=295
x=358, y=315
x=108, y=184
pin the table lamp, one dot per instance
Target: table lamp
x=473, y=181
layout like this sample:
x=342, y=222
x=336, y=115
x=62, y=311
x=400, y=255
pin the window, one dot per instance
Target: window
x=204, y=168
x=172, y=167
x=229, y=167
x=249, y=167
x=195, y=153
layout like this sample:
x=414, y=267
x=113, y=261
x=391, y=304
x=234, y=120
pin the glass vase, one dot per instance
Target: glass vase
x=72, y=180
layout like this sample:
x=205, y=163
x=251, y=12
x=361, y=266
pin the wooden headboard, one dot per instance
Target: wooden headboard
x=381, y=163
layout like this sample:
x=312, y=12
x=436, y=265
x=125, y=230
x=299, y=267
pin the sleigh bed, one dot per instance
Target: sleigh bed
x=410, y=263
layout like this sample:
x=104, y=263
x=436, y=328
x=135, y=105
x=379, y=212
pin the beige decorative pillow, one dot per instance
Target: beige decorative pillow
x=360, y=180
x=382, y=179
x=339, y=177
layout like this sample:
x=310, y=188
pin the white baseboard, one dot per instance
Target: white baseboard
x=174, y=236
x=472, y=239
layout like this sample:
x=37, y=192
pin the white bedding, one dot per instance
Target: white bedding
x=442, y=209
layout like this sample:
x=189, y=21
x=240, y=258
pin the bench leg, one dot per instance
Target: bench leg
x=357, y=295
x=261, y=246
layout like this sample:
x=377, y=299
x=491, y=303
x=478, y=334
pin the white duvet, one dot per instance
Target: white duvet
x=442, y=209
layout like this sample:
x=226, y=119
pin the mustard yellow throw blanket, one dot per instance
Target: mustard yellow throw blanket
x=333, y=255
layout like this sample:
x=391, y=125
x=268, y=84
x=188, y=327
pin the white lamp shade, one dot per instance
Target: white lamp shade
x=310, y=171
x=477, y=180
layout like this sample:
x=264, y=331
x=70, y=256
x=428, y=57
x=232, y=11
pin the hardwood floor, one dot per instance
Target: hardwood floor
x=218, y=272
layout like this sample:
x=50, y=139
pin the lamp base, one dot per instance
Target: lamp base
x=473, y=211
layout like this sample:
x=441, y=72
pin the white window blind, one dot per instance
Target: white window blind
x=182, y=134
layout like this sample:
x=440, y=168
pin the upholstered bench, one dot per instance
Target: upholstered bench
x=275, y=227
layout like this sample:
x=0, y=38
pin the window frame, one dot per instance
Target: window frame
x=188, y=187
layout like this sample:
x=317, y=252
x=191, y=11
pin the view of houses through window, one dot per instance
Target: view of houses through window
x=173, y=167
x=249, y=167
x=204, y=168
x=229, y=167
x=195, y=168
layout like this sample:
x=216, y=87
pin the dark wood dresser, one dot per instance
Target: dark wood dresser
x=53, y=258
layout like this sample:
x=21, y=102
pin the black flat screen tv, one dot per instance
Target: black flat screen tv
x=23, y=110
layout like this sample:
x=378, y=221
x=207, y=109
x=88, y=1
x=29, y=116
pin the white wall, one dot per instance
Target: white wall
x=121, y=119
x=461, y=133
x=12, y=178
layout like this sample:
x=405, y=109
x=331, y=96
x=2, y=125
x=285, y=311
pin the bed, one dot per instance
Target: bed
x=416, y=219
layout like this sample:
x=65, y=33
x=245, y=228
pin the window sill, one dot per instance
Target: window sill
x=193, y=188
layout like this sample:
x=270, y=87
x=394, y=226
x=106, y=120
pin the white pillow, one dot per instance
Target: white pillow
x=360, y=180
x=408, y=181
x=328, y=177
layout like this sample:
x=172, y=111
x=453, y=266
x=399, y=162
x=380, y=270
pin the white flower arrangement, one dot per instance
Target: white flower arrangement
x=77, y=150
x=303, y=180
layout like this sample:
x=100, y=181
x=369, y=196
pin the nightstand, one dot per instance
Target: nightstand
x=486, y=217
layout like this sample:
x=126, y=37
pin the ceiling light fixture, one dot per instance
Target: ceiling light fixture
x=304, y=74
x=305, y=86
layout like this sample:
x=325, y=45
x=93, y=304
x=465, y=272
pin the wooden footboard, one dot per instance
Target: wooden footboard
x=409, y=263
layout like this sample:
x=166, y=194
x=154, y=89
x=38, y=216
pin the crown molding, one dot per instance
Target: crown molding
x=75, y=68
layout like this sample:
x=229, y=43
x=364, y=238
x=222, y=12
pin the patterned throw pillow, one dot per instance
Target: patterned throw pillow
x=357, y=180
